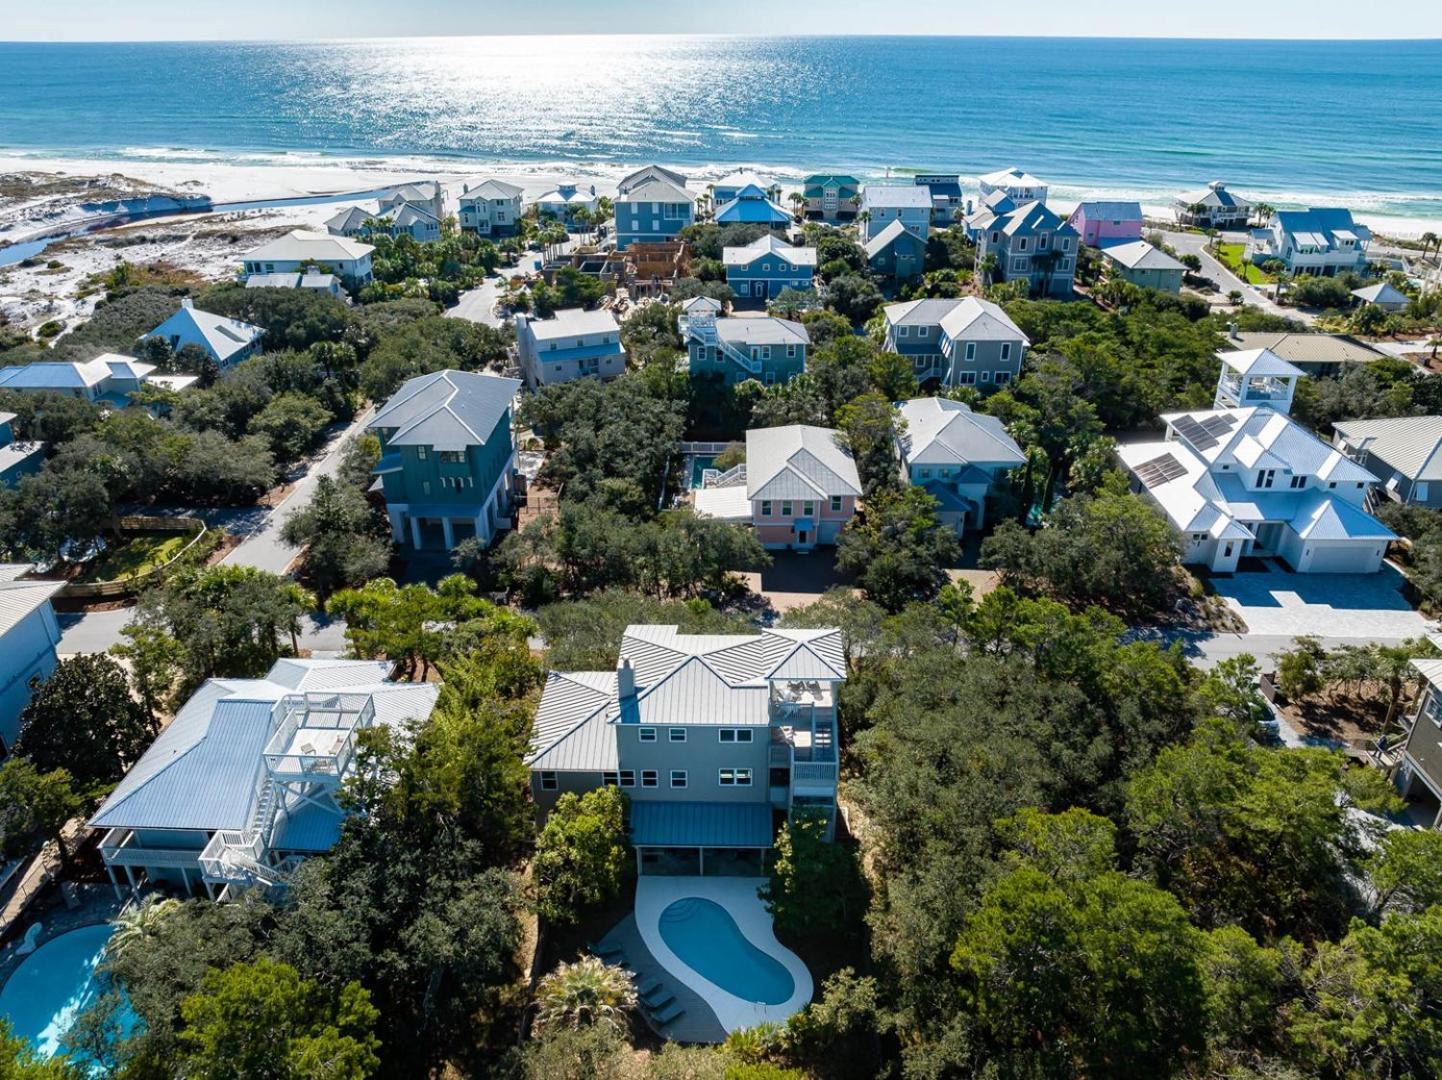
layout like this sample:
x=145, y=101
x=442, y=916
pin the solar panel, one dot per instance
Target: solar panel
x=1159, y=470
x=1219, y=424
x=1194, y=433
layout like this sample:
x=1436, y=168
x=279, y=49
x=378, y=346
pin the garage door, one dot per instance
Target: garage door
x=827, y=531
x=1346, y=559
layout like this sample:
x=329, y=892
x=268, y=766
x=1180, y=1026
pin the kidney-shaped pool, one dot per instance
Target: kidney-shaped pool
x=706, y=939
x=55, y=984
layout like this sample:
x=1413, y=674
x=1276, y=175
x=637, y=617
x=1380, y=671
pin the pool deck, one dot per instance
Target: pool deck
x=97, y=905
x=699, y=1023
x=739, y=897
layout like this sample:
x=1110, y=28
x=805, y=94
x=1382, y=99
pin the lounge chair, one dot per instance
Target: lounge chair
x=608, y=953
x=668, y=1015
x=657, y=998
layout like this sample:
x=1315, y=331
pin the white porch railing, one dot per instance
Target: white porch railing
x=118, y=848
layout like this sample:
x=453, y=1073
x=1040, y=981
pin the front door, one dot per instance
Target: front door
x=803, y=538
x=758, y=288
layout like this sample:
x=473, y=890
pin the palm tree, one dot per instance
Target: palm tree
x=588, y=992
x=583, y=218
x=1264, y=212
x=863, y=218
x=1430, y=240
x=798, y=205
x=137, y=926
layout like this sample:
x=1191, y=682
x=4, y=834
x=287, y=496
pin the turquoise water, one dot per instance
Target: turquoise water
x=698, y=466
x=1296, y=122
x=56, y=983
x=706, y=939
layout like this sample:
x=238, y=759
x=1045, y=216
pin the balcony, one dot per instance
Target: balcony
x=315, y=740
x=119, y=847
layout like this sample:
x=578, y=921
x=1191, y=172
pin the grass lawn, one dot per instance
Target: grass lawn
x=1233, y=257
x=139, y=552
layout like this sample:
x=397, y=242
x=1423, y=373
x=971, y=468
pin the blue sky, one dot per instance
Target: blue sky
x=109, y=20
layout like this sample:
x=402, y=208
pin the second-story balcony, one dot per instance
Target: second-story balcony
x=315, y=740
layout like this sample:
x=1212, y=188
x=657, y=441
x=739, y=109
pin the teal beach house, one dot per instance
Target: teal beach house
x=768, y=350
x=653, y=206
x=766, y=266
x=447, y=456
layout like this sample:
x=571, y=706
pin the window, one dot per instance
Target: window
x=1003, y=377
x=611, y=779
x=1332, y=486
x=986, y=376
x=766, y=507
x=966, y=378
x=807, y=509
x=836, y=504
x=785, y=509
x=924, y=472
x=770, y=379
x=628, y=777
x=425, y=487
x=649, y=778
x=1021, y=243
x=1018, y=265
x=421, y=452
x=734, y=777
x=1042, y=241
x=678, y=734
x=549, y=782
x=1297, y=482
x=1265, y=477
x=678, y=778
x=791, y=352
x=903, y=331
x=734, y=735
x=971, y=350
x=996, y=238
x=646, y=734
x=1006, y=350
x=923, y=331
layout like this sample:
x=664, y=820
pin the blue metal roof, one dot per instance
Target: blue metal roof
x=700, y=824
x=208, y=785
x=306, y=828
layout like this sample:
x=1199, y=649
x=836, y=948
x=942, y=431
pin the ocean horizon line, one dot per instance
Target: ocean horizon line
x=1354, y=39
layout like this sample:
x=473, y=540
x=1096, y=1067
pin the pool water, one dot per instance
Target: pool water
x=55, y=984
x=698, y=466
x=706, y=939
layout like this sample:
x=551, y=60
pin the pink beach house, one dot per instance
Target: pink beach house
x=1102, y=224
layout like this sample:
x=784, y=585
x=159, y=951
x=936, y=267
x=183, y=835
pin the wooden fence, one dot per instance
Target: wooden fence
x=110, y=590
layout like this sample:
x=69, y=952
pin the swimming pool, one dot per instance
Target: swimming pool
x=705, y=938
x=698, y=466
x=55, y=984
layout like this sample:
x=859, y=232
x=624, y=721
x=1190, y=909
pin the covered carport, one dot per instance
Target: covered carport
x=701, y=838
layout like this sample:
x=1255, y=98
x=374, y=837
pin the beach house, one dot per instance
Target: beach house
x=1213, y=207
x=1383, y=295
x=652, y=209
x=562, y=202
x=244, y=783
x=1021, y=186
x=751, y=205
x=226, y=341
x=766, y=349
x=798, y=487
x=766, y=266
x=1100, y=224
x=447, y=457
x=1322, y=242
x=1405, y=452
x=571, y=344
x=491, y=208
x=1144, y=265
x=353, y=222
x=896, y=252
x=966, y=342
x=945, y=192
x=427, y=194
x=831, y=196
x=28, y=636
x=396, y=219
x=1244, y=479
x=956, y=456
x=1032, y=244
x=300, y=251
x=729, y=187
x=650, y=172
x=1313, y=354
x=18, y=459
x=712, y=737
x=881, y=204
x=110, y=379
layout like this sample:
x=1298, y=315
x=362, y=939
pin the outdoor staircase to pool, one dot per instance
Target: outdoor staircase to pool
x=732, y=477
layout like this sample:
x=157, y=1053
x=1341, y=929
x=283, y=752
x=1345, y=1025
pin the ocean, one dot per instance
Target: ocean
x=1295, y=123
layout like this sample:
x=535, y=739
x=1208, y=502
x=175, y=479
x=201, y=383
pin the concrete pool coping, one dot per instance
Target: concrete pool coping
x=738, y=896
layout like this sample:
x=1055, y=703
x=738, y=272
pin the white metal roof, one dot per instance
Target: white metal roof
x=768, y=245
x=1140, y=255
x=573, y=322
x=20, y=598
x=300, y=245
x=447, y=410
x=940, y=431
x=798, y=462
x=222, y=336
x=1410, y=444
x=1259, y=362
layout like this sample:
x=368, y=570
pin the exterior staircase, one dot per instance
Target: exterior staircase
x=703, y=329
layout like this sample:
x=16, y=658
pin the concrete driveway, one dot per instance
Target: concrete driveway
x=1196, y=244
x=1351, y=606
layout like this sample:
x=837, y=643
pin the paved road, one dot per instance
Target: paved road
x=264, y=548
x=1196, y=244
x=1206, y=650
x=479, y=304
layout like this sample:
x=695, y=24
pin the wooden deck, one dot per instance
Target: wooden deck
x=699, y=1023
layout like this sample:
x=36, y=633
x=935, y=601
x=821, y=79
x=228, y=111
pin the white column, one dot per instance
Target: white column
x=398, y=526
x=449, y=531
x=115, y=883
x=416, y=532
x=130, y=877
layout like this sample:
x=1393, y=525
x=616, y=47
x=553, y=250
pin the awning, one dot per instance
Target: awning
x=804, y=525
x=700, y=824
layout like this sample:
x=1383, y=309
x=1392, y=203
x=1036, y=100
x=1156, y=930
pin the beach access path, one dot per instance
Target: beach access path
x=1187, y=243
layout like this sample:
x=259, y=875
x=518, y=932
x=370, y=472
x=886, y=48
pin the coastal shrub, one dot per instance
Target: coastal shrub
x=581, y=855
x=291, y=318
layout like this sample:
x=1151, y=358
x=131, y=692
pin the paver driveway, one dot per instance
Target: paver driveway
x=1279, y=602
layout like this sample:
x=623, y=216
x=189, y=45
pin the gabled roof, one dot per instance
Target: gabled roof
x=300, y=245
x=75, y=374
x=769, y=244
x=493, y=189
x=831, y=180
x=895, y=196
x=656, y=189
x=1011, y=177
x=751, y=205
x=222, y=336
x=1214, y=196
x=405, y=214
x=762, y=331
x=1325, y=223
x=19, y=598
x=1262, y=438
x=446, y=410
x=1029, y=218
x=1111, y=211
x=798, y=462
x=573, y=322
x=351, y=219
x=975, y=319
x=700, y=304
x=1410, y=444
x=743, y=179
x=1140, y=255
x=568, y=194
x=893, y=232
x=651, y=172
x=944, y=432
x=1307, y=348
